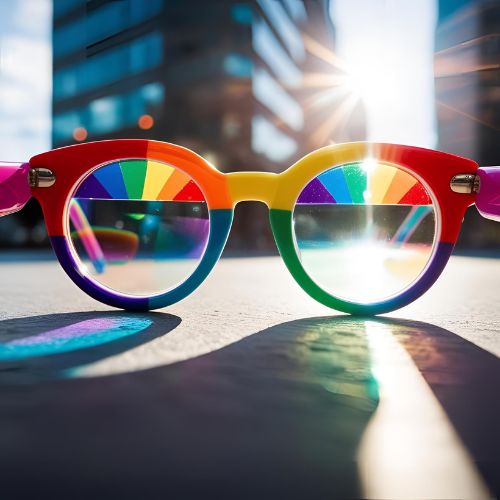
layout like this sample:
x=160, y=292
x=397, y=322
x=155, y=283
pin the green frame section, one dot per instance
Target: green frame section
x=282, y=227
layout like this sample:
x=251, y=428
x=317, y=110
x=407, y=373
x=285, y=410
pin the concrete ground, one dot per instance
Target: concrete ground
x=249, y=389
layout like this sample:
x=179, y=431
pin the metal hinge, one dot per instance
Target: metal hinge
x=465, y=183
x=41, y=177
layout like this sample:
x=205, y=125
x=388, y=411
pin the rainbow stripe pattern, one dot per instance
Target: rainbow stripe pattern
x=354, y=184
x=140, y=180
x=367, y=174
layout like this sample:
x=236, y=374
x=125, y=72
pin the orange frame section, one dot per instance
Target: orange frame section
x=70, y=164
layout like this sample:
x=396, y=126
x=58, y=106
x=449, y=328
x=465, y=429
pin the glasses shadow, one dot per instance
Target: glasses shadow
x=46, y=347
x=283, y=413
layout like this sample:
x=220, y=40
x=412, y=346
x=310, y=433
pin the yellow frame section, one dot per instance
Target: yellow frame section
x=279, y=191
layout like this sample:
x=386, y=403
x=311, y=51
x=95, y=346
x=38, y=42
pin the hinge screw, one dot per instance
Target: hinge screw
x=465, y=183
x=41, y=177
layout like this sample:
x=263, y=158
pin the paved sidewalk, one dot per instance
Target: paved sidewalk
x=249, y=389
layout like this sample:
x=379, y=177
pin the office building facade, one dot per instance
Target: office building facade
x=468, y=94
x=226, y=79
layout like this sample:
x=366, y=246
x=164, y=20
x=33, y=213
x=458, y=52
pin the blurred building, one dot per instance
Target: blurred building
x=228, y=79
x=25, y=114
x=467, y=67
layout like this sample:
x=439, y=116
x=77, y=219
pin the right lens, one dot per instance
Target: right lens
x=365, y=231
x=138, y=227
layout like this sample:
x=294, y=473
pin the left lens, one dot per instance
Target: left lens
x=138, y=227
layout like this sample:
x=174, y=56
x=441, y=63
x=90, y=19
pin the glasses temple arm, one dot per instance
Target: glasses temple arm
x=488, y=192
x=87, y=236
x=15, y=192
x=15, y=189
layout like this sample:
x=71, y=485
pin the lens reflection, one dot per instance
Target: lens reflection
x=364, y=231
x=138, y=227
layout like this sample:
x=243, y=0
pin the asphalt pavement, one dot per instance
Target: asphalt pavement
x=249, y=389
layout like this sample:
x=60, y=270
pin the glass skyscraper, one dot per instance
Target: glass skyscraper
x=223, y=78
x=467, y=94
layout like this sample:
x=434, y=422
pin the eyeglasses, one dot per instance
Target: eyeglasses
x=363, y=228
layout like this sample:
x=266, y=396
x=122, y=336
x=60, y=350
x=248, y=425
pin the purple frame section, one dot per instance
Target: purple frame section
x=407, y=296
x=220, y=225
x=426, y=280
x=488, y=197
x=115, y=299
x=15, y=190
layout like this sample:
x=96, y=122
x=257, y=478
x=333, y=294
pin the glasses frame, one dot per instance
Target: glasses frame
x=68, y=166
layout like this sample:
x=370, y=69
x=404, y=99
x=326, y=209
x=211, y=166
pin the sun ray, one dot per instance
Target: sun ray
x=342, y=113
x=468, y=43
x=320, y=80
x=467, y=115
x=323, y=53
x=324, y=98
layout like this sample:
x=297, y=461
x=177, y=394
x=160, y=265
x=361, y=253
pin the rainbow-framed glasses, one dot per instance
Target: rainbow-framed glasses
x=364, y=228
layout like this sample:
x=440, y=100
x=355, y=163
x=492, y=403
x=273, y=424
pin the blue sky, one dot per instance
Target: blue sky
x=25, y=78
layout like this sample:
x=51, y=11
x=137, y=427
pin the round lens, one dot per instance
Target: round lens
x=365, y=231
x=138, y=227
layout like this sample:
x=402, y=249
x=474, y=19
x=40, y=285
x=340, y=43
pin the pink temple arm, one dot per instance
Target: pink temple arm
x=15, y=192
x=15, y=189
x=488, y=194
x=87, y=236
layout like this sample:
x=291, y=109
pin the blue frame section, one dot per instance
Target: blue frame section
x=416, y=290
x=220, y=225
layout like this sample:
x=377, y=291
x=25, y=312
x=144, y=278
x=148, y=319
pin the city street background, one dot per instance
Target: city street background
x=248, y=388
x=261, y=84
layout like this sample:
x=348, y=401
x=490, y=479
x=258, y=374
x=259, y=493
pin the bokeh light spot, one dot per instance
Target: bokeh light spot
x=80, y=134
x=145, y=122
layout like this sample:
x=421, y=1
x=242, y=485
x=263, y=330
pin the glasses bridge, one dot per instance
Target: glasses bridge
x=253, y=186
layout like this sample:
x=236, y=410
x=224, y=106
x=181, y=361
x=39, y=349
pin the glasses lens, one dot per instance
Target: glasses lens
x=138, y=227
x=365, y=231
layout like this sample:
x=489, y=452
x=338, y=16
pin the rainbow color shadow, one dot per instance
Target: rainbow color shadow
x=80, y=335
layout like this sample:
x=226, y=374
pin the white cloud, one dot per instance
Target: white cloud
x=29, y=17
x=25, y=78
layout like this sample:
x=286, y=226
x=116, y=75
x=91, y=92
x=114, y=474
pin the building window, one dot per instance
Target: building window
x=285, y=27
x=268, y=91
x=242, y=13
x=271, y=142
x=105, y=114
x=61, y=7
x=297, y=9
x=267, y=46
x=238, y=65
x=111, y=113
x=108, y=20
x=102, y=69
